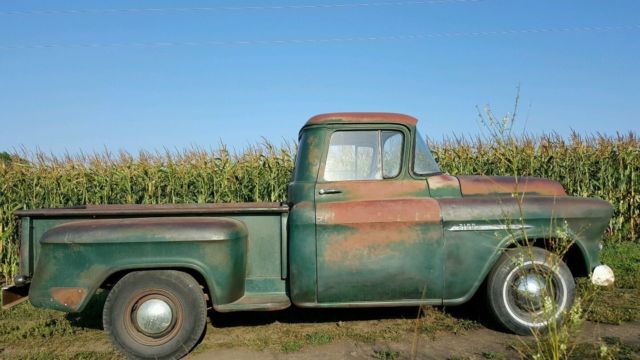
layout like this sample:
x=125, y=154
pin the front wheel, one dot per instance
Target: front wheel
x=529, y=289
x=155, y=314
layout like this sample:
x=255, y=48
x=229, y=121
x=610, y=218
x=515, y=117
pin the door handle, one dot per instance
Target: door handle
x=329, y=191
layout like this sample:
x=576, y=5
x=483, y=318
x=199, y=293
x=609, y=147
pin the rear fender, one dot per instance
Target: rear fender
x=77, y=257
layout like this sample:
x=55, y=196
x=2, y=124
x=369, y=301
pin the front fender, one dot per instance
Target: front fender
x=477, y=230
x=77, y=257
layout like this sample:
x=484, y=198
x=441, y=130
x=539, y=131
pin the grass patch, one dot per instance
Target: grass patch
x=319, y=338
x=624, y=259
x=30, y=333
x=618, y=349
x=292, y=337
x=435, y=321
x=607, y=348
x=493, y=356
x=308, y=328
x=621, y=302
x=83, y=355
x=26, y=322
x=292, y=346
x=613, y=305
x=386, y=354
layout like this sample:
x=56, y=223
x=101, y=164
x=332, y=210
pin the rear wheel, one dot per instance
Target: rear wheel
x=528, y=289
x=155, y=314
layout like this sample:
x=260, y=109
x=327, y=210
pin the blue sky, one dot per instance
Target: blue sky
x=578, y=68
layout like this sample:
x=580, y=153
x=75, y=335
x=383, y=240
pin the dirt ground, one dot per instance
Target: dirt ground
x=383, y=333
x=465, y=332
x=480, y=340
x=483, y=343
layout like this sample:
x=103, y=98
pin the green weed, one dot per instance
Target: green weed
x=386, y=354
x=435, y=320
x=292, y=346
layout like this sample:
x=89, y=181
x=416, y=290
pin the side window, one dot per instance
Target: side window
x=358, y=155
x=353, y=155
x=423, y=161
x=391, y=153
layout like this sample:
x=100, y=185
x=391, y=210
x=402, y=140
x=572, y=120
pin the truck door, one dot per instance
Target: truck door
x=379, y=235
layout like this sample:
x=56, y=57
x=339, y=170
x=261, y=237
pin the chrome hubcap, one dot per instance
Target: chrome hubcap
x=529, y=292
x=154, y=316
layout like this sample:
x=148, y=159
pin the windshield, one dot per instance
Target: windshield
x=423, y=161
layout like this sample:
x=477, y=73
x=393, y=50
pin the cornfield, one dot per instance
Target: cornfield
x=594, y=166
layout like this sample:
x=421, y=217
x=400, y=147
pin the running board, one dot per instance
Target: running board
x=257, y=302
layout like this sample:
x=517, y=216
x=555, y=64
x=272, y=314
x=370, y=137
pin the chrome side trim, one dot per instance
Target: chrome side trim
x=476, y=227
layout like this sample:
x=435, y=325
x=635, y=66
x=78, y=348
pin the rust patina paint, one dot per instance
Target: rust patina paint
x=493, y=185
x=361, y=118
x=382, y=211
x=375, y=227
x=443, y=186
x=378, y=240
x=379, y=260
x=376, y=189
x=362, y=242
x=68, y=297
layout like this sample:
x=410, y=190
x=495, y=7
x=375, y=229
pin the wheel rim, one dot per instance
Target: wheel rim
x=528, y=287
x=153, y=317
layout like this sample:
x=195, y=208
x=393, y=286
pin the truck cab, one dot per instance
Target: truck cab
x=366, y=228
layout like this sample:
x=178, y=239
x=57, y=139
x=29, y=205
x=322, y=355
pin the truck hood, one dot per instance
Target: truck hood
x=508, y=185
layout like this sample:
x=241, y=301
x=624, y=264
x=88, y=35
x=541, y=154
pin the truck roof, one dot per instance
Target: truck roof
x=362, y=117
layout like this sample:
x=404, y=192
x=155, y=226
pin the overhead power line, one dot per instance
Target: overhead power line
x=229, y=8
x=325, y=40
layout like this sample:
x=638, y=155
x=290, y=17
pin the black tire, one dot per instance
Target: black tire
x=518, y=284
x=179, y=292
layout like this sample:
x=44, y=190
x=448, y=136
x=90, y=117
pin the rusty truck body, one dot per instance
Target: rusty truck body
x=370, y=221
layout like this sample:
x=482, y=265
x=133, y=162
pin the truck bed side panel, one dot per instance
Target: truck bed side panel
x=76, y=257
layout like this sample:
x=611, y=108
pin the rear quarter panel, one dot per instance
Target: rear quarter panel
x=76, y=257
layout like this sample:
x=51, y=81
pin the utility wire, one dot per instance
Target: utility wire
x=326, y=40
x=228, y=8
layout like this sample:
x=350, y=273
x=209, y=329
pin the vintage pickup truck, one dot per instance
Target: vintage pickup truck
x=370, y=221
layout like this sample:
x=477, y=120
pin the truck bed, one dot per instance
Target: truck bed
x=265, y=252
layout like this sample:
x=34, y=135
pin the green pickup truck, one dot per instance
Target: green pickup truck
x=370, y=221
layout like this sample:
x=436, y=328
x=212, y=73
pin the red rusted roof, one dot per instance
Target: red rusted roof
x=362, y=117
